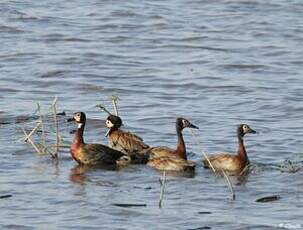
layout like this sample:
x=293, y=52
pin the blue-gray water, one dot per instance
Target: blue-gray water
x=218, y=63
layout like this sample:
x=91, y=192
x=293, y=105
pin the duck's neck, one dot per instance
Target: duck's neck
x=112, y=130
x=181, y=149
x=241, y=149
x=78, y=139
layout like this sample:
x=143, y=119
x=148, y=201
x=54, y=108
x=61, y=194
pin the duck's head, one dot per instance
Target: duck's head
x=113, y=122
x=79, y=118
x=182, y=123
x=244, y=129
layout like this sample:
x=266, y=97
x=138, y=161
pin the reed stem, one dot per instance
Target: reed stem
x=28, y=136
x=28, y=139
x=41, y=124
x=114, y=101
x=103, y=108
x=54, y=105
x=231, y=188
x=214, y=170
x=162, y=184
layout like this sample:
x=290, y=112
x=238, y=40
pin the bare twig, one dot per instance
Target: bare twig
x=231, y=188
x=41, y=123
x=214, y=170
x=162, y=184
x=54, y=105
x=114, y=101
x=42, y=148
x=28, y=136
x=103, y=108
x=31, y=142
x=35, y=146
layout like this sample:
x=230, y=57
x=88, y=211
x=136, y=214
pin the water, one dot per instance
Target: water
x=218, y=63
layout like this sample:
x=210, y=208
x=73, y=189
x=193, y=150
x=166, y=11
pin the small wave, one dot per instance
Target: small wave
x=91, y=88
x=244, y=66
x=53, y=73
x=8, y=90
x=194, y=47
x=27, y=18
x=71, y=39
x=10, y=29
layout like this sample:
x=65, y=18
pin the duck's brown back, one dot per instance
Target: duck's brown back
x=128, y=143
x=93, y=154
x=226, y=162
x=161, y=151
x=171, y=164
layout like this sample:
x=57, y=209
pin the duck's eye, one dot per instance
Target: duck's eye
x=109, y=123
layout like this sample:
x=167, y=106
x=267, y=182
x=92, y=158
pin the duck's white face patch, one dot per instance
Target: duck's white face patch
x=80, y=125
x=77, y=117
x=109, y=124
x=245, y=128
x=184, y=122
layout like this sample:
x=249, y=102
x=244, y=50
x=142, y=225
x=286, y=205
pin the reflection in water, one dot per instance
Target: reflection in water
x=237, y=178
x=78, y=174
x=176, y=174
x=234, y=179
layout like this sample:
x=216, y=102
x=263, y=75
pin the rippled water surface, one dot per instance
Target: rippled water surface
x=218, y=63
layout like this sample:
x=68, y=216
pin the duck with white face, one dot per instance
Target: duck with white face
x=232, y=163
x=126, y=142
x=168, y=159
x=92, y=154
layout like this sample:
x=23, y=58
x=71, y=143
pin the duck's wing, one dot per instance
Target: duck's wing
x=171, y=164
x=225, y=161
x=100, y=154
x=161, y=151
x=133, y=136
x=127, y=142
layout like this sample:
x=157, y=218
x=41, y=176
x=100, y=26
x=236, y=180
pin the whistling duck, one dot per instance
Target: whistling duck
x=229, y=162
x=92, y=154
x=126, y=142
x=164, y=158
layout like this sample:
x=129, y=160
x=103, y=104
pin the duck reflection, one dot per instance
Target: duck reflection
x=78, y=174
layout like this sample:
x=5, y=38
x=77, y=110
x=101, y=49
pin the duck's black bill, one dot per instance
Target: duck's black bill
x=193, y=126
x=70, y=119
x=252, y=131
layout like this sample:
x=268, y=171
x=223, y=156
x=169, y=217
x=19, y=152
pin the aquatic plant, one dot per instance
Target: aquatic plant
x=43, y=146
